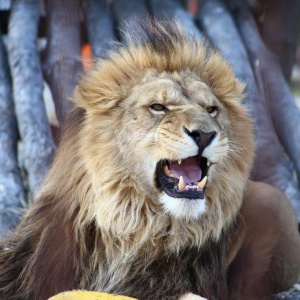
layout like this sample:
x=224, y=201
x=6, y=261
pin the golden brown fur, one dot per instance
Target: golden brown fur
x=97, y=222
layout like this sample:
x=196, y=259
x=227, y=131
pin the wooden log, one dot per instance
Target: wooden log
x=174, y=10
x=37, y=146
x=279, y=25
x=63, y=55
x=270, y=164
x=269, y=76
x=12, y=192
x=213, y=16
x=127, y=13
x=99, y=25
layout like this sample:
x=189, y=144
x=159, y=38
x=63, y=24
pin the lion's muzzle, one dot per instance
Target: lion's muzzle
x=202, y=139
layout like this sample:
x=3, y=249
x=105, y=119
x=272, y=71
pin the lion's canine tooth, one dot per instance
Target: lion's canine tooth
x=181, y=184
x=166, y=170
x=208, y=163
x=202, y=183
x=179, y=161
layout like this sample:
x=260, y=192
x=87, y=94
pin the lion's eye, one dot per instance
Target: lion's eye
x=158, y=108
x=212, y=110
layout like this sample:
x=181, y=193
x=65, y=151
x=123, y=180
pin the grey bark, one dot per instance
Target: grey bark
x=127, y=14
x=128, y=11
x=12, y=192
x=99, y=25
x=174, y=10
x=63, y=56
x=268, y=74
x=279, y=25
x=270, y=164
x=37, y=146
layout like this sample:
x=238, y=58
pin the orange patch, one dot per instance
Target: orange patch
x=86, y=57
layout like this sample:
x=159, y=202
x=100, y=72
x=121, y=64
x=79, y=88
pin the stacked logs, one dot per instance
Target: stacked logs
x=260, y=57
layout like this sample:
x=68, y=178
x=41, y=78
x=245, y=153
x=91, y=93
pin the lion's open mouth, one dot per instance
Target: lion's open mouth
x=184, y=178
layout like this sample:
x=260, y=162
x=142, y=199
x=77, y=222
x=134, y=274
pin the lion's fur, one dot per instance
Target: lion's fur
x=97, y=223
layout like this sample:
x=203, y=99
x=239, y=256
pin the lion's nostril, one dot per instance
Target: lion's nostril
x=202, y=139
x=210, y=136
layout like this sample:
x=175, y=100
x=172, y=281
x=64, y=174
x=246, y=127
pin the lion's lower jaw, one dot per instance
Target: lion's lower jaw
x=183, y=209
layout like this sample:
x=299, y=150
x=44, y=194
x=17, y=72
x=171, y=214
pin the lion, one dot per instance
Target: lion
x=149, y=194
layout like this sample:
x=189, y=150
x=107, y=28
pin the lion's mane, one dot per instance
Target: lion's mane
x=93, y=226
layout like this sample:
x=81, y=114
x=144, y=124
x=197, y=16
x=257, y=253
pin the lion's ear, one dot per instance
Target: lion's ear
x=93, y=96
x=89, y=100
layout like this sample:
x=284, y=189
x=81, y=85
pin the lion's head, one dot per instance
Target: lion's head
x=164, y=138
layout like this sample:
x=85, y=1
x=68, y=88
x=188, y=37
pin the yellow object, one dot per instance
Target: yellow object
x=86, y=295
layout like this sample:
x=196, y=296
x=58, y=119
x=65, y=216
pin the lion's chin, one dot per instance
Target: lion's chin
x=182, y=208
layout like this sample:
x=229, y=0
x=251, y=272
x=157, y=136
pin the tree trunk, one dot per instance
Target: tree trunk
x=99, y=25
x=174, y=10
x=63, y=56
x=36, y=146
x=12, y=192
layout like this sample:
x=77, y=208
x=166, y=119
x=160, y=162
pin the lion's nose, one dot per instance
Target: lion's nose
x=202, y=139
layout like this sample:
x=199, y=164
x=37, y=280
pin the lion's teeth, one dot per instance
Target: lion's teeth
x=208, y=163
x=166, y=170
x=192, y=187
x=202, y=183
x=181, y=184
x=179, y=161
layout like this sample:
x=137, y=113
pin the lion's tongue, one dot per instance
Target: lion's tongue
x=188, y=169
